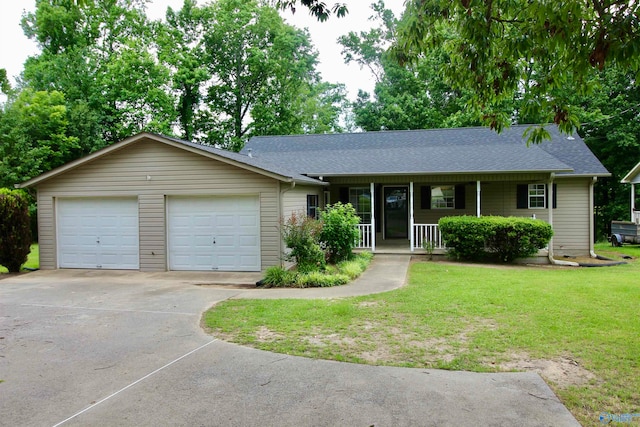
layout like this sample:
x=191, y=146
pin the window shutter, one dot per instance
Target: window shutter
x=344, y=195
x=459, y=199
x=425, y=197
x=522, y=196
x=555, y=195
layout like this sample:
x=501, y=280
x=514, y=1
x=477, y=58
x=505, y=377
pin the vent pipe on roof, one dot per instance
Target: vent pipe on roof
x=250, y=152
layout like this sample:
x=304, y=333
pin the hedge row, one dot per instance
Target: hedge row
x=507, y=238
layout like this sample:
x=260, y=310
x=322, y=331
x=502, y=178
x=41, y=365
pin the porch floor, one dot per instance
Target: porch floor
x=398, y=246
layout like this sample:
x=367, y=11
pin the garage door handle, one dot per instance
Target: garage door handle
x=214, y=240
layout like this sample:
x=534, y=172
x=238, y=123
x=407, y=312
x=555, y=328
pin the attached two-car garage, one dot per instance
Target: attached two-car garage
x=203, y=233
x=154, y=203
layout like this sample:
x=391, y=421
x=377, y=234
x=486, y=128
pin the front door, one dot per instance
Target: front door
x=396, y=214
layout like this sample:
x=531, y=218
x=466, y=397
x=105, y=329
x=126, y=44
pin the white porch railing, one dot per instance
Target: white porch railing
x=636, y=217
x=427, y=233
x=364, y=241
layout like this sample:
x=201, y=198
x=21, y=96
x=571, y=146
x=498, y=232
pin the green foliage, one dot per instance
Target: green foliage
x=15, y=231
x=339, y=231
x=300, y=233
x=316, y=7
x=317, y=279
x=509, y=238
x=464, y=236
x=408, y=96
x=277, y=277
x=504, y=50
x=513, y=238
x=336, y=275
x=34, y=136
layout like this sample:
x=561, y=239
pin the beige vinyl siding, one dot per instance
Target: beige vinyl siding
x=47, y=232
x=153, y=232
x=295, y=199
x=149, y=169
x=571, y=218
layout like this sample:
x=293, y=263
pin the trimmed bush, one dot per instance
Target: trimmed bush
x=339, y=231
x=513, y=237
x=509, y=238
x=300, y=233
x=464, y=236
x=15, y=229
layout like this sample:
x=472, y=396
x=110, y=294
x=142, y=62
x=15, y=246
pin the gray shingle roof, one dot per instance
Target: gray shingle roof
x=437, y=151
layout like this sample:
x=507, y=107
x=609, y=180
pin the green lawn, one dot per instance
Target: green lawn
x=33, y=260
x=581, y=324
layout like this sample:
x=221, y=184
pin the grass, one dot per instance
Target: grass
x=474, y=318
x=33, y=259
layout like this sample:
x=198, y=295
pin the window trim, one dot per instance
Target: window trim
x=433, y=200
x=313, y=208
x=365, y=216
x=530, y=196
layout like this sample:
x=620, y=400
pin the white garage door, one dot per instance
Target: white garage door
x=214, y=233
x=98, y=233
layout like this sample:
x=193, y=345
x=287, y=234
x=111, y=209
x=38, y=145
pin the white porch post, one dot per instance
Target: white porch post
x=633, y=200
x=478, y=199
x=411, y=236
x=373, y=217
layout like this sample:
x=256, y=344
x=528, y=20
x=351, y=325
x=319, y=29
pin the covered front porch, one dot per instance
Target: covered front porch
x=402, y=217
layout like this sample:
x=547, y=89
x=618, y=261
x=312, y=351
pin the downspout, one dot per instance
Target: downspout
x=591, y=219
x=478, y=189
x=552, y=260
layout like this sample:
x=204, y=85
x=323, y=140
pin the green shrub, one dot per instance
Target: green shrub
x=464, y=236
x=513, y=238
x=339, y=231
x=300, y=233
x=509, y=238
x=276, y=277
x=15, y=229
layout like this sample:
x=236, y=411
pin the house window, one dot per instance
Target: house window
x=537, y=194
x=360, y=199
x=312, y=205
x=443, y=197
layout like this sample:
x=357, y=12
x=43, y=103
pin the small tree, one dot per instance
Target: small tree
x=339, y=231
x=300, y=233
x=15, y=230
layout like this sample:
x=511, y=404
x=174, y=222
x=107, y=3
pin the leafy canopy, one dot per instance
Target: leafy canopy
x=501, y=48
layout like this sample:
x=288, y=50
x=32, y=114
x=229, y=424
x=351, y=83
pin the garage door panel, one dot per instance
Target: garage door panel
x=98, y=233
x=213, y=233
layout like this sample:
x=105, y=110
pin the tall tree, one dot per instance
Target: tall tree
x=259, y=65
x=181, y=48
x=34, y=136
x=409, y=96
x=493, y=43
x=99, y=56
x=611, y=128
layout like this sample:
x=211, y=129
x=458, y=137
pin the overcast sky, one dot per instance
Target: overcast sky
x=15, y=47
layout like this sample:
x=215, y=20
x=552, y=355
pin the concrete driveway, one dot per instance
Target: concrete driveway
x=124, y=349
